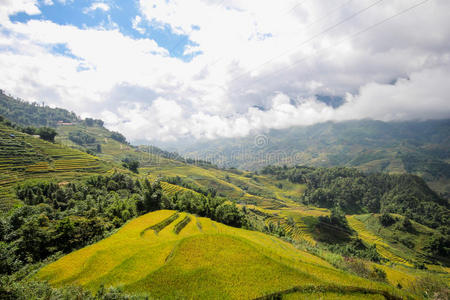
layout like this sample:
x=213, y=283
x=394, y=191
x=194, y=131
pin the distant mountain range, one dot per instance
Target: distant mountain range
x=417, y=147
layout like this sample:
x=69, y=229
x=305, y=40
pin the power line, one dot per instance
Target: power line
x=354, y=15
x=318, y=20
x=294, y=7
x=330, y=12
x=351, y=37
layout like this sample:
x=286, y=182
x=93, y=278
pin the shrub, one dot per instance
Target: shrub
x=386, y=220
x=47, y=133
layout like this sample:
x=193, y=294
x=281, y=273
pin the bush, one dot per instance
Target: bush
x=386, y=220
x=131, y=164
x=407, y=225
x=81, y=138
x=47, y=133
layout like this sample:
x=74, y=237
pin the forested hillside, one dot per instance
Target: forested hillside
x=416, y=147
x=33, y=114
x=356, y=192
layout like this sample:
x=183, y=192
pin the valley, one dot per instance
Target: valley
x=176, y=227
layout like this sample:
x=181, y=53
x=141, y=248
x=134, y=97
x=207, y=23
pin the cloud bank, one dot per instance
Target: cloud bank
x=254, y=65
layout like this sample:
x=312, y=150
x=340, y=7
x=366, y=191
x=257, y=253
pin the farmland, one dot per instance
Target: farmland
x=167, y=264
x=23, y=157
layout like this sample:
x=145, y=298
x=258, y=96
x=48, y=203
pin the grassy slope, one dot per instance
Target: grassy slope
x=234, y=185
x=205, y=260
x=397, y=245
x=243, y=187
x=25, y=157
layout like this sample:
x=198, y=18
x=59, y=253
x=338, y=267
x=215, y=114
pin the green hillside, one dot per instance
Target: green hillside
x=204, y=259
x=419, y=148
x=23, y=157
x=409, y=246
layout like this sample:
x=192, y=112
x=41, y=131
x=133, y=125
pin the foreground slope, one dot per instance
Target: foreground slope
x=166, y=254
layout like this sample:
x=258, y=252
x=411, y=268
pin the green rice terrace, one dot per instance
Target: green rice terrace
x=23, y=156
x=167, y=255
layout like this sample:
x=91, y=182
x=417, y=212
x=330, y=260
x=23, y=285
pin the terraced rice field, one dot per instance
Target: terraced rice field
x=370, y=238
x=171, y=189
x=25, y=157
x=296, y=229
x=243, y=187
x=201, y=259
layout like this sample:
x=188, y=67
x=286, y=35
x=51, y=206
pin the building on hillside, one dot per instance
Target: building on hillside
x=62, y=123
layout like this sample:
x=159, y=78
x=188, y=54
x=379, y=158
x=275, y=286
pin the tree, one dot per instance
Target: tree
x=118, y=137
x=386, y=220
x=131, y=164
x=47, y=133
x=89, y=122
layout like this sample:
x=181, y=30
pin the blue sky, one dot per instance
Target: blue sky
x=119, y=13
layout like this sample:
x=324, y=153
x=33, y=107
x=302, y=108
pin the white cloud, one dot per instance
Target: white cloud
x=97, y=6
x=136, y=24
x=11, y=7
x=47, y=2
x=274, y=55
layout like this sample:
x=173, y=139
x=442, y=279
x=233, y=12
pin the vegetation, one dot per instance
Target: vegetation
x=66, y=217
x=131, y=164
x=119, y=137
x=81, y=138
x=93, y=122
x=420, y=148
x=187, y=263
x=356, y=192
x=24, y=157
x=34, y=114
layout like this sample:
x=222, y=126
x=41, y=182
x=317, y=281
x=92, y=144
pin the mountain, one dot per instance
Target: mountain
x=416, y=147
x=78, y=222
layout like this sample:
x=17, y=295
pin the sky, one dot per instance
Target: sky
x=161, y=70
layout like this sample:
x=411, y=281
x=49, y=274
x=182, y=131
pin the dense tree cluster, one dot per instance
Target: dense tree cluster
x=81, y=138
x=93, y=122
x=356, y=192
x=34, y=114
x=216, y=208
x=65, y=217
x=131, y=164
x=119, y=137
